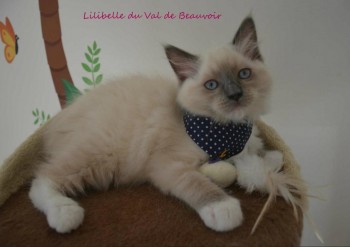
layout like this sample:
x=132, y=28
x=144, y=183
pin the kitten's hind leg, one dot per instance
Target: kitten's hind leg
x=253, y=170
x=63, y=214
x=219, y=211
x=254, y=164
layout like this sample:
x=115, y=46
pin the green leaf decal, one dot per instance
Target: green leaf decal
x=92, y=65
x=88, y=57
x=98, y=79
x=97, y=52
x=97, y=67
x=71, y=91
x=90, y=50
x=40, y=118
x=86, y=67
x=87, y=81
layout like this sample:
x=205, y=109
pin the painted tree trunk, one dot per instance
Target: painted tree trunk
x=51, y=29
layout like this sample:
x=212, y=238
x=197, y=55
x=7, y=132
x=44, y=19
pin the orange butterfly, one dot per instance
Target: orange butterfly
x=9, y=38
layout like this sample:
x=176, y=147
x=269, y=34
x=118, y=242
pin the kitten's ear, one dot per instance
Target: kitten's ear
x=246, y=39
x=184, y=64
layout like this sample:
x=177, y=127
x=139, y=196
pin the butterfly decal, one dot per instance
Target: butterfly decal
x=10, y=39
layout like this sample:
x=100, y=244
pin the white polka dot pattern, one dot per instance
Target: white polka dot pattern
x=219, y=141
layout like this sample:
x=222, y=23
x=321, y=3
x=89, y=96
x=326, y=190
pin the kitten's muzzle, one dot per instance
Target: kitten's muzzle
x=233, y=91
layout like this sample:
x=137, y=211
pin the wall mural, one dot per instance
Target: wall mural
x=52, y=35
x=10, y=40
x=93, y=67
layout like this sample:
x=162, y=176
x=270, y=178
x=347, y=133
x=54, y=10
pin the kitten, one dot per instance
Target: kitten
x=132, y=131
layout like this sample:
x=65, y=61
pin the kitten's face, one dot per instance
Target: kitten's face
x=228, y=86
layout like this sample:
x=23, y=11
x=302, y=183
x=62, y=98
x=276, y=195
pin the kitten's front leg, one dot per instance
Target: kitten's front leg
x=219, y=211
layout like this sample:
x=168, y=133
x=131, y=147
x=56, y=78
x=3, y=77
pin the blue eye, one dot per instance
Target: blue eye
x=244, y=73
x=211, y=84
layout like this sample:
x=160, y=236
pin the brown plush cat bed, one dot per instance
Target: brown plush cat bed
x=142, y=216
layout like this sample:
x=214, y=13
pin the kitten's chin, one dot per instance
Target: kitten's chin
x=239, y=114
x=236, y=115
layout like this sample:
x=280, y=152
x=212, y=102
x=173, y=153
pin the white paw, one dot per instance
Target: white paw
x=66, y=217
x=274, y=160
x=223, y=215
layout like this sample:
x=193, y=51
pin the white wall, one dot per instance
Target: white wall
x=305, y=44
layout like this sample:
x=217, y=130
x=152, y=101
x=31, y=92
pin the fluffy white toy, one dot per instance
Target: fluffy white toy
x=222, y=173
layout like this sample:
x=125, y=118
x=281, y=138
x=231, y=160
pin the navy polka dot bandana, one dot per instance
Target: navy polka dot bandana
x=219, y=141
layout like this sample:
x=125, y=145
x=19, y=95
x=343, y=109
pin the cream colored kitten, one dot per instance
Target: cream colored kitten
x=132, y=131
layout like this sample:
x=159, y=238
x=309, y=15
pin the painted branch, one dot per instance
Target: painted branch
x=51, y=29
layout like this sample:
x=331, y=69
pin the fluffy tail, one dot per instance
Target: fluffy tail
x=287, y=183
x=292, y=189
x=21, y=165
